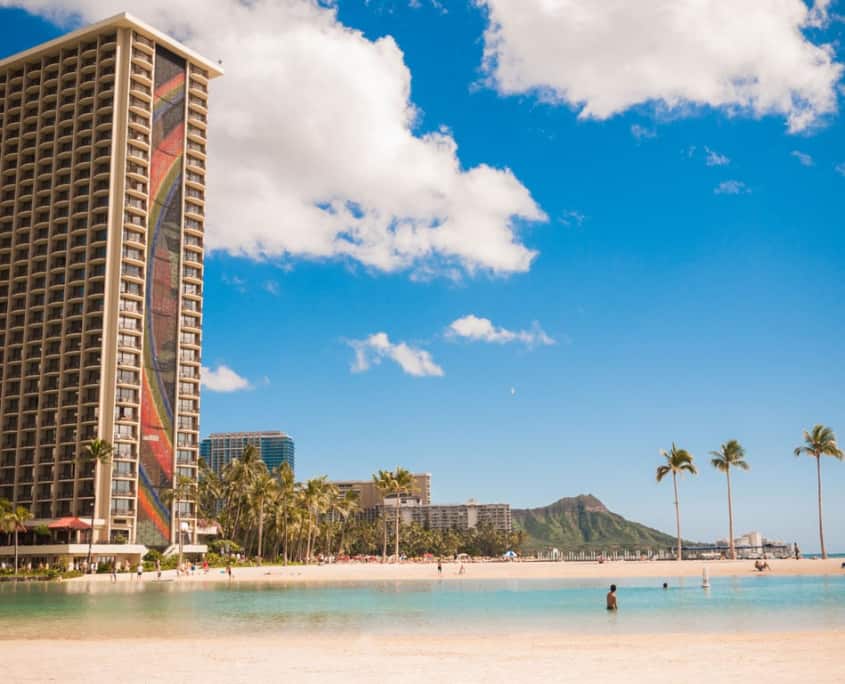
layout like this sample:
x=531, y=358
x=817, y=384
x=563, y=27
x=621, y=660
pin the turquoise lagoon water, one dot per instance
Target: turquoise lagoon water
x=758, y=603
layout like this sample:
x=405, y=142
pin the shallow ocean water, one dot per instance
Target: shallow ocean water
x=172, y=609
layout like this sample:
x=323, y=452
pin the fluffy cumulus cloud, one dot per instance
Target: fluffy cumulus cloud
x=478, y=329
x=222, y=379
x=605, y=57
x=412, y=360
x=314, y=150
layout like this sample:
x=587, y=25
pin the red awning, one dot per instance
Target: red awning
x=69, y=524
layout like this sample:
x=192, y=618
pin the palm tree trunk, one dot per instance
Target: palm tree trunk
x=730, y=517
x=260, y=530
x=93, y=515
x=821, y=526
x=179, y=531
x=397, y=528
x=384, y=548
x=677, y=515
x=285, y=536
x=16, y=549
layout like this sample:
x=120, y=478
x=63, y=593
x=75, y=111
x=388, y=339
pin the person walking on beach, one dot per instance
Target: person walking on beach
x=158, y=568
x=439, y=567
x=140, y=570
x=611, y=598
x=229, y=569
x=114, y=573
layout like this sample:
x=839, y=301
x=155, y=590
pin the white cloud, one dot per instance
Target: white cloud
x=413, y=361
x=731, y=187
x=641, y=132
x=223, y=379
x=313, y=146
x=603, y=58
x=840, y=168
x=803, y=157
x=477, y=329
x=272, y=287
x=238, y=283
x=716, y=159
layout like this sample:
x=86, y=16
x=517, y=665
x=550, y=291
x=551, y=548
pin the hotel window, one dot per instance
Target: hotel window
x=133, y=253
x=127, y=359
x=188, y=388
x=130, y=288
x=124, y=431
x=189, y=338
x=125, y=394
x=121, y=506
x=123, y=469
x=191, y=272
x=127, y=377
x=187, y=422
x=124, y=450
x=131, y=270
x=128, y=341
x=125, y=413
x=127, y=323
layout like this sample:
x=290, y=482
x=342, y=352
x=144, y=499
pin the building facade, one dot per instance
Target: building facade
x=274, y=448
x=369, y=497
x=102, y=203
x=467, y=516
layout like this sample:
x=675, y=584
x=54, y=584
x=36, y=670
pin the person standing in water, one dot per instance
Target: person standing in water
x=611, y=598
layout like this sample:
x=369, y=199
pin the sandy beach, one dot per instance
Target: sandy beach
x=612, y=571
x=773, y=658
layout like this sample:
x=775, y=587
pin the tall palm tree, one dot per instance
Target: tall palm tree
x=12, y=520
x=260, y=493
x=183, y=490
x=285, y=499
x=678, y=461
x=346, y=506
x=401, y=483
x=818, y=442
x=383, y=481
x=316, y=501
x=97, y=451
x=730, y=455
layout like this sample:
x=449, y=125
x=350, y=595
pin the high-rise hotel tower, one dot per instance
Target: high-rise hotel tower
x=102, y=196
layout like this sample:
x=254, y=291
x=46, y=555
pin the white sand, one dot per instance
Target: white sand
x=666, y=658
x=612, y=571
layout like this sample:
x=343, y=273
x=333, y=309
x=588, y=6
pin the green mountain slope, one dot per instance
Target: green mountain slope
x=584, y=523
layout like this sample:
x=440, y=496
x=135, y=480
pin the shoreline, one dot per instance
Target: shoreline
x=542, y=656
x=493, y=570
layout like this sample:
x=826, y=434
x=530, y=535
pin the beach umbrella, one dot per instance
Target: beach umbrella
x=510, y=555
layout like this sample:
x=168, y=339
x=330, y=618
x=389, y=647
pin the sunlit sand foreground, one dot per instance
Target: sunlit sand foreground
x=546, y=657
x=614, y=570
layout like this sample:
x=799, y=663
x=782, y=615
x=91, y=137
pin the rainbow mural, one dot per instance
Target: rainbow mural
x=161, y=322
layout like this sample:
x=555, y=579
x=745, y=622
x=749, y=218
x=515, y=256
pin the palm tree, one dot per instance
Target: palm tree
x=818, y=442
x=346, y=506
x=730, y=455
x=183, y=490
x=677, y=462
x=316, y=500
x=12, y=520
x=401, y=482
x=97, y=451
x=382, y=480
x=260, y=493
x=284, y=500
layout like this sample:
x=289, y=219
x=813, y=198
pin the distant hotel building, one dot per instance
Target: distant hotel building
x=416, y=507
x=369, y=497
x=274, y=448
x=102, y=204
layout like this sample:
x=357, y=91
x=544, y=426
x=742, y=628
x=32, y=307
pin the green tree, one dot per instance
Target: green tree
x=731, y=454
x=12, y=520
x=383, y=481
x=261, y=492
x=401, y=484
x=818, y=442
x=678, y=461
x=284, y=499
x=97, y=452
x=184, y=490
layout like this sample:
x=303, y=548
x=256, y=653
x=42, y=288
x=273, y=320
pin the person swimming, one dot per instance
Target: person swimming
x=665, y=585
x=611, y=598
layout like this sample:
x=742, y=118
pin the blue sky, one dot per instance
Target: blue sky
x=679, y=313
